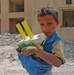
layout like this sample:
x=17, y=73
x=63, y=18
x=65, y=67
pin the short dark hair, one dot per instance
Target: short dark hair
x=48, y=11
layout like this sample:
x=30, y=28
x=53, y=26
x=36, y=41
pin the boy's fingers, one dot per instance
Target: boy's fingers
x=17, y=49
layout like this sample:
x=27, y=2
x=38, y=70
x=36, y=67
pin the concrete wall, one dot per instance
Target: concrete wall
x=9, y=15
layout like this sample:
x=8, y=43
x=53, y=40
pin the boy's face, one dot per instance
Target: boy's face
x=47, y=24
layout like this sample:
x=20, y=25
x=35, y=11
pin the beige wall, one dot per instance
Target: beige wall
x=4, y=15
x=9, y=15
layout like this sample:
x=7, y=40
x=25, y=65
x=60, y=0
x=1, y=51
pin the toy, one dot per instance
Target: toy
x=21, y=46
x=27, y=29
x=30, y=39
x=18, y=26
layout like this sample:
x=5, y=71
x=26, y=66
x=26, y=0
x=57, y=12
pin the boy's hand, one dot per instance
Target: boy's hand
x=17, y=49
x=27, y=51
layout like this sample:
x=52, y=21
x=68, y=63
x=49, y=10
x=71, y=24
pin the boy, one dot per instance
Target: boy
x=53, y=46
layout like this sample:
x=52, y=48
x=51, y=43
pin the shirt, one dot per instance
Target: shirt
x=40, y=67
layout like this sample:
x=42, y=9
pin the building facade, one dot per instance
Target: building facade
x=16, y=11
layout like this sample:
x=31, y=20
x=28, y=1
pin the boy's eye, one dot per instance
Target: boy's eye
x=41, y=24
x=49, y=23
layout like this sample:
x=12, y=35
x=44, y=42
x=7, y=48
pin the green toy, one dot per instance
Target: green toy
x=21, y=46
x=33, y=56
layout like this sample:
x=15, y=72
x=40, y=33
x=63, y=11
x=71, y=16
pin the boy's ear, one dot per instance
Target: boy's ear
x=58, y=22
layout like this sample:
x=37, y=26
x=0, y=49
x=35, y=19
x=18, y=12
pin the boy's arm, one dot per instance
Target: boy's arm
x=58, y=50
x=55, y=59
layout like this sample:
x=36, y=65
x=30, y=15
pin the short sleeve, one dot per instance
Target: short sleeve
x=58, y=50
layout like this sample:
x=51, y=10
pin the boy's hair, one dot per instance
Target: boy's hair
x=48, y=11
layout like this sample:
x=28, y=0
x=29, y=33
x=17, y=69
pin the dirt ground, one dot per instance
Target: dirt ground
x=10, y=65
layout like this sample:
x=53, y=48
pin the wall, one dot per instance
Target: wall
x=9, y=15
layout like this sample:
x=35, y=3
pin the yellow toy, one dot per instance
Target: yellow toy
x=37, y=39
x=28, y=40
x=21, y=31
x=27, y=29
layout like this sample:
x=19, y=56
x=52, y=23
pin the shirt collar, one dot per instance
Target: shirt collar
x=51, y=38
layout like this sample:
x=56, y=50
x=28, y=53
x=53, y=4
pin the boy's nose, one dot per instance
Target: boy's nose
x=46, y=28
